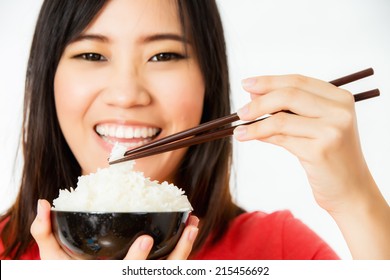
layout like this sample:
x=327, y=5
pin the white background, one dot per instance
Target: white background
x=323, y=39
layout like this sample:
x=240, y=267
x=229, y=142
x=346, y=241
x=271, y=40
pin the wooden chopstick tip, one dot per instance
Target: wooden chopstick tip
x=366, y=95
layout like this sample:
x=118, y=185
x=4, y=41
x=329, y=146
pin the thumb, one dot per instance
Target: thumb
x=42, y=233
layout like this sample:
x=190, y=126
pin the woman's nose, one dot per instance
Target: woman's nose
x=126, y=88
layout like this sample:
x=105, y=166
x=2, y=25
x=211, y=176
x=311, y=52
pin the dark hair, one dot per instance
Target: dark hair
x=204, y=172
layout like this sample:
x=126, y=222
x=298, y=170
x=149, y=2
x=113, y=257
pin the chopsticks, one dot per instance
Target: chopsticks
x=214, y=130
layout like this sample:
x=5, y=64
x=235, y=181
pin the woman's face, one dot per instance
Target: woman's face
x=128, y=78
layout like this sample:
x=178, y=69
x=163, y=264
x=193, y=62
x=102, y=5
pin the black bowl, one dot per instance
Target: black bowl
x=100, y=235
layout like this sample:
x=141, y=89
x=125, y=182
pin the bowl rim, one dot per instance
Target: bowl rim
x=120, y=212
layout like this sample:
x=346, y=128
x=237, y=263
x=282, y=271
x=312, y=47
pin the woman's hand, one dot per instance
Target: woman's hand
x=50, y=249
x=322, y=132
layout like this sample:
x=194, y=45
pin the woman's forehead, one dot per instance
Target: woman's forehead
x=121, y=17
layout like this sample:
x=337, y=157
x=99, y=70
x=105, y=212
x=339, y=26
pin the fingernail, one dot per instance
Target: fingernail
x=240, y=131
x=193, y=221
x=146, y=244
x=39, y=209
x=243, y=111
x=247, y=83
x=192, y=234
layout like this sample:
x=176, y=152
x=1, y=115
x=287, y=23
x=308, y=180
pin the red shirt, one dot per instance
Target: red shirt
x=31, y=254
x=261, y=236
x=255, y=235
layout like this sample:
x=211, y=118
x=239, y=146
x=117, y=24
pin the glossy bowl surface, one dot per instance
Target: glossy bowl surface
x=99, y=235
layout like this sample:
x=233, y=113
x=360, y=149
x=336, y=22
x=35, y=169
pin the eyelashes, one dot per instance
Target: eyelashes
x=160, y=57
x=93, y=57
x=166, y=56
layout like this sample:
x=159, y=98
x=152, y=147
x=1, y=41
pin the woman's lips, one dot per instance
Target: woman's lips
x=127, y=135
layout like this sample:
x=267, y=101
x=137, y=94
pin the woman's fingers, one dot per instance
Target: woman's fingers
x=302, y=95
x=42, y=233
x=304, y=137
x=286, y=99
x=281, y=123
x=314, y=115
x=294, y=133
x=265, y=84
x=141, y=247
x=321, y=132
x=187, y=239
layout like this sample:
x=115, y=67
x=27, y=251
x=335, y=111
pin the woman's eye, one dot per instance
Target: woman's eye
x=91, y=57
x=165, y=57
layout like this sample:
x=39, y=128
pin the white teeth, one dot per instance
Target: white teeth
x=120, y=131
x=137, y=133
x=128, y=145
x=111, y=131
x=129, y=133
x=100, y=129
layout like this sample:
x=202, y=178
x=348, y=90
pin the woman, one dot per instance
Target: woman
x=134, y=71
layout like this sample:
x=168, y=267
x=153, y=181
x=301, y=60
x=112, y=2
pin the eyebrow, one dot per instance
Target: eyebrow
x=145, y=39
x=93, y=37
x=165, y=36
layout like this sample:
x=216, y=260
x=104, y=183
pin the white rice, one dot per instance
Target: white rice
x=119, y=188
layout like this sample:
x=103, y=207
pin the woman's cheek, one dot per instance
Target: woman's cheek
x=181, y=93
x=75, y=88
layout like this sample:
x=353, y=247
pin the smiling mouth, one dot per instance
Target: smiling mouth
x=128, y=136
